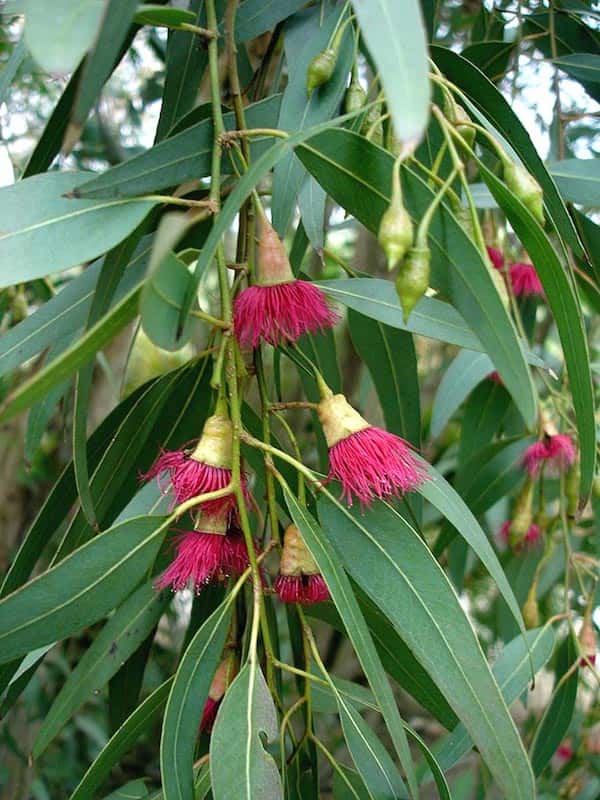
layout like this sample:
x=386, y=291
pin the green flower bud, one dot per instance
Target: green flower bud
x=373, y=126
x=413, y=278
x=572, y=488
x=526, y=188
x=320, y=69
x=522, y=515
x=147, y=361
x=355, y=97
x=531, y=612
x=457, y=116
x=395, y=233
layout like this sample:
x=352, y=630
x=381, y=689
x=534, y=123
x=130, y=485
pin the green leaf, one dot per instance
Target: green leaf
x=305, y=35
x=581, y=66
x=391, y=359
x=564, y=304
x=72, y=359
x=116, y=18
x=122, y=741
x=65, y=313
x=578, y=180
x=257, y=16
x=132, y=790
x=110, y=276
x=240, y=767
x=356, y=628
x=183, y=157
x=370, y=757
x=492, y=57
x=357, y=174
x=376, y=298
x=466, y=371
x=441, y=495
x=186, y=702
x=38, y=222
x=396, y=658
x=311, y=202
x=558, y=714
x=11, y=68
x=74, y=25
x=81, y=589
x=513, y=674
x=165, y=288
x=395, y=35
x=493, y=105
x=150, y=14
x=120, y=637
x=184, y=67
x=389, y=560
x=62, y=496
x=169, y=413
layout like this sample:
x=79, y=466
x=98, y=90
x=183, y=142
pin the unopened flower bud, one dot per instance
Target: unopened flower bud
x=587, y=640
x=526, y=188
x=147, y=361
x=372, y=125
x=320, y=69
x=413, y=279
x=355, y=97
x=395, y=232
x=531, y=612
x=295, y=557
x=522, y=515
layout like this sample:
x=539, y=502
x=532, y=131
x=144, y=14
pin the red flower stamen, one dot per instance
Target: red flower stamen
x=304, y=589
x=524, y=280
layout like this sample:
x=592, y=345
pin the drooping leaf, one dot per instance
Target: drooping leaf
x=121, y=741
x=186, y=703
x=558, y=714
x=74, y=23
x=114, y=23
x=466, y=371
x=389, y=560
x=395, y=35
x=239, y=764
x=182, y=157
x=356, y=628
x=81, y=589
x=257, y=16
x=124, y=631
x=512, y=671
x=578, y=180
x=305, y=35
x=44, y=232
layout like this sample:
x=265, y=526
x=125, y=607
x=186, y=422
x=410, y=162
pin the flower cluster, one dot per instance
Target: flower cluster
x=556, y=453
x=523, y=278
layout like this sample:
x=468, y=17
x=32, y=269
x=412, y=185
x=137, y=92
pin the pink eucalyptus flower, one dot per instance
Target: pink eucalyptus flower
x=299, y=580
x=524, y=280
x=558, y=451
x=495, y=257
x=532, y=537
x=304, y=589
x=369, y=462
x=495, y=378
x=206, y=469
x=209, y=715
x=565, y=752
x=279, y=309
x=281, y=314
x=206, y=555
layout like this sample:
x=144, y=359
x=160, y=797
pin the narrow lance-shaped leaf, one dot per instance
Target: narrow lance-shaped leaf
x=395, y=35
x=186, y=702
x=122, y=741
x=239, y=764
x=390, y=561
x=120, y=637
x=81, y=589
x=358, y=633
